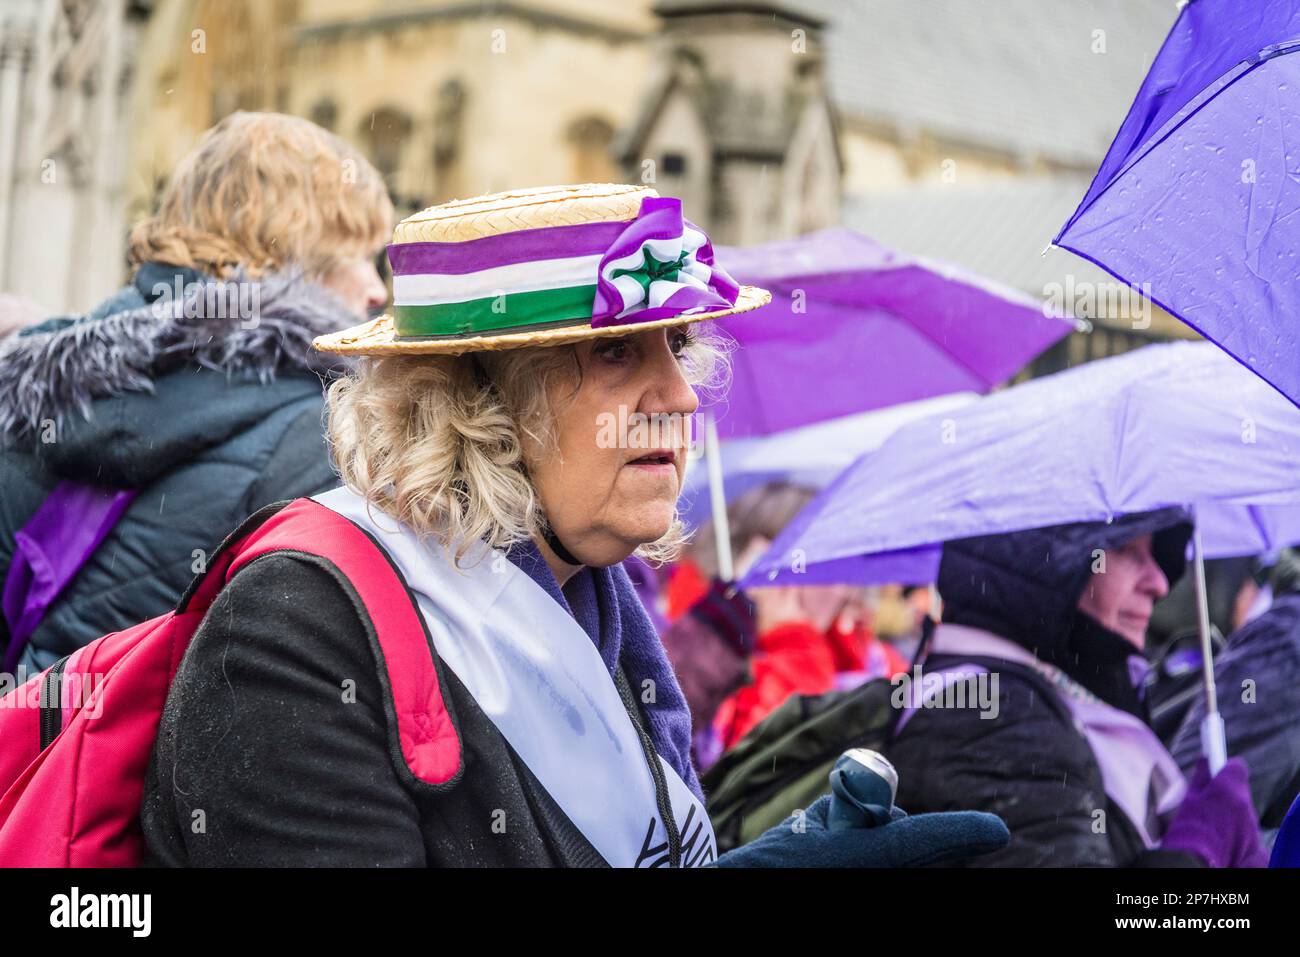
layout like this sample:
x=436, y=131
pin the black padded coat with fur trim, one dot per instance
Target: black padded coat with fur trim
x=209, y=418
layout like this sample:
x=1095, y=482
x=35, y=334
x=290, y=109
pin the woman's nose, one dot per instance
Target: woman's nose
x=672, y=394
x=1157, y=583
x=669, y=390
x=376, y=291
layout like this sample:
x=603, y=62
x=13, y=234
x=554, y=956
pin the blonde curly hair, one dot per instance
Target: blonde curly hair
x=438, y=442
x=265, y=191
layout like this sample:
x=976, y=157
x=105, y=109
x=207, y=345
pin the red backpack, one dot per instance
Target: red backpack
x=76, y=739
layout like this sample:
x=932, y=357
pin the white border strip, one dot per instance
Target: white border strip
x=433, y=289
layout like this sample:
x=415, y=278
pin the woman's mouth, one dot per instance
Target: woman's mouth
x=659, y=459
x=1135, y=620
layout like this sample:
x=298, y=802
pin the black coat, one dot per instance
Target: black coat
x=208, y=419
x=262, y=760
x=289, y=772
x=1030, y=765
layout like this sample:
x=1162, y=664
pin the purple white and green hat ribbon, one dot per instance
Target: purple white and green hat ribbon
x=656, y=266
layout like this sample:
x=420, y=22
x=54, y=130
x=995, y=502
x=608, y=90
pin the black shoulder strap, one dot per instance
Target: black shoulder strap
x=662, y=799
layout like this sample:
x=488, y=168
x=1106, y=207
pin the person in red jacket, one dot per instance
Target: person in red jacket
x=811, y=639
x=746, y=652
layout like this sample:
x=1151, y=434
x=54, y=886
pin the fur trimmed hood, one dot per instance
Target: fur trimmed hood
x=243, y=328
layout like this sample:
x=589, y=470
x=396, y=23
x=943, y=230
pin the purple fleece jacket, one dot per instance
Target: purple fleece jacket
x=604, y=602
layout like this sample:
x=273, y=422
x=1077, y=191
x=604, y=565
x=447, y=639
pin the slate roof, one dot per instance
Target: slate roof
x=1014, y=74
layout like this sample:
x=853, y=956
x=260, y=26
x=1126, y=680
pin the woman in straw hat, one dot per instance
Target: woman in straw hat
x=515, y=429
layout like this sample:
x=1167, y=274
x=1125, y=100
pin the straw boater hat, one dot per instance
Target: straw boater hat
x=545, y=267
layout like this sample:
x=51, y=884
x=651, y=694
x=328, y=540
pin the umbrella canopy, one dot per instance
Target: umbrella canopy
x=1194, y=202
x=811, y=456
x=862, y=328
x=1176, y=424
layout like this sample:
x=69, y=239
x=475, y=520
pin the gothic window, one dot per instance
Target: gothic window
x=590, y=138
x=325, y=113
x=448, y=112
x=385, y=133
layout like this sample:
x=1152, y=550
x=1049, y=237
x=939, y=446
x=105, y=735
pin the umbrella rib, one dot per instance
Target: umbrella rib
x=1256, y=520
x=948, y=352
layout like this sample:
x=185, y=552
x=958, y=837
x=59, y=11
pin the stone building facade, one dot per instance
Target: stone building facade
x=753, y=152
x=960, y=129
x=451, y=99
x=65, y=80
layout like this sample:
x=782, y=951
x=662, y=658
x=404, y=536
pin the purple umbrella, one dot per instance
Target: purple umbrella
x=1227, y=531
x=1177, y=424
x=863, y=327
x=1174, y=424
x=873, y=329
x=1194, y=203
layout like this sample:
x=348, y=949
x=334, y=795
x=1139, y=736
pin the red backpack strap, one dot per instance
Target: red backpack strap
x=421, y=721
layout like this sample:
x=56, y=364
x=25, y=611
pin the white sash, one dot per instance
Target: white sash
x=539, y=678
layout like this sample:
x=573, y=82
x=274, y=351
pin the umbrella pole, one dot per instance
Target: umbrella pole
x=1214, y=744
x=717, y=498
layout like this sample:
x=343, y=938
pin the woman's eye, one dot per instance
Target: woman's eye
x=679, y=343
x=614, y=350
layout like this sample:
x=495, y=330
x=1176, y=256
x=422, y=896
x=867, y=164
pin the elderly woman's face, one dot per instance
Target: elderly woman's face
x=1123, y=597
x=612, y=483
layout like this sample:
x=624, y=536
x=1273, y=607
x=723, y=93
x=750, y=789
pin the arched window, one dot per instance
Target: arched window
x=448, y=116
x=325, y=113
x=385, y=133
x=590, y=138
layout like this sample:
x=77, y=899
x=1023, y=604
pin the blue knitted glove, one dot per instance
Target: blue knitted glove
x=906, y=841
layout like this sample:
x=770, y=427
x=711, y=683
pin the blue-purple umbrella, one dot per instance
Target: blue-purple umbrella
x=1174, y=424
x=1177, y=424
x=811, y=455
x=1195, y=203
